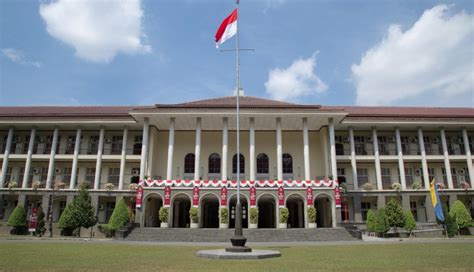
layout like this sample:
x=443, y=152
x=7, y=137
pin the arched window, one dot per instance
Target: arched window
x=234, y=164
x=214, y=163
x=287, y=164
x=189, y=163
x=262, y=163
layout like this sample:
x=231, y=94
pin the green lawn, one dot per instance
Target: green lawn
x=28, y=256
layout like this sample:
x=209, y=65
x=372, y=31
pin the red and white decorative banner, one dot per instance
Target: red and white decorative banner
x=139, y=196
x=337, y=194
x=33, y=219
x=224, y=196
x=253, y=196
x=167, y=196
x=243, y=183
x=309, y=196
x=281, y=196
x=196, y=196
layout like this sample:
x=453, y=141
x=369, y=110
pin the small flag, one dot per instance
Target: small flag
x=227, y=29
x=436, y=202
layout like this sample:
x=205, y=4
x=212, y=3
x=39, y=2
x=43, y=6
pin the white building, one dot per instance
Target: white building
x=286, y=145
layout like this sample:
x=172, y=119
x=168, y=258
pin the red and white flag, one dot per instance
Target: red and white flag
x=227, y=29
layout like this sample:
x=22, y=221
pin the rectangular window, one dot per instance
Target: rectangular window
x=116, y=145
x=49, y=144
x=364, y=209
x=414, y=210
x=409, y=177
x=405, y=145
x=114, y=176
x=93, y=145
x=90, y=175
x=386, y=178
x=359, y=143
x=362, y=175
x=71, y=144
x=137, y=145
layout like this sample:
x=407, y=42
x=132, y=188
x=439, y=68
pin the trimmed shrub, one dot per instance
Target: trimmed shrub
x=284, y=215
x=451, y=225
x=410, y=223
x=311, y=214
x=416, y=185
x=396, y=186
x=17, y=220
x=83, y=214
x=224, y=215
x=194, y=215
x=119, y=218
x=382, y=225
x=395, y=216
x=463, y=218
x=66, y=221
x=163, y=214
x=371, y=220
x=253, y=215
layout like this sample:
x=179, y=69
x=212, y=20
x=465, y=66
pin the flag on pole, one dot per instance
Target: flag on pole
x=436, y=201
x=227, y=29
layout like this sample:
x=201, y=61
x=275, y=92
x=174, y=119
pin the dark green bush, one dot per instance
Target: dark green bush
x=119, y=218
x=463, y=218
x=17, y=220
x=395, y=216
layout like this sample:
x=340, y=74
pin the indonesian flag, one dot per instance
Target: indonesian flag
x=227, y=29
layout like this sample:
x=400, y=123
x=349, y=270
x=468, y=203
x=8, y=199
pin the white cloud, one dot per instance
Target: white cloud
x=98, y=30
x=429, y=63
x=17, y=56
x=296, y=81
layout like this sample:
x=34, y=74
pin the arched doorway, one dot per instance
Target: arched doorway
x=153, y=203
x=181, y=206
x=266, y=212
x=210, y=211
x=295, y=205
x=232, y=204
x=322, y=204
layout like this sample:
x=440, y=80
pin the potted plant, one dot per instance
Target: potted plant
x=397, y=186
x=416, y=185
x=12, y=185
x=284, y=214
x=253, y=215
x=133, y=186
x=224, y=218
x=109, y=186
x=35, y=185
x=368, y=186
x=163, y=214
x=311, y=217
x=194, y=216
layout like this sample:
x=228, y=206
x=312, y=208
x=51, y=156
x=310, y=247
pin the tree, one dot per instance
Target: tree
x=382, y=225
x=463, y=218
x=119, y=218
x=83, y=214
x=66, y=222
x=452, y=227
x=395, y=216
x=410, y=223
x=371, y=220
x=17, y=220
x=41, y=223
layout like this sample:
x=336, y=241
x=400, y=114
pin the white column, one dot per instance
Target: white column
x=98, y=165
x=279, y=150
x=252, y=149
x=123, y=158
x=353, y=159
x=332, y=144
x=146, y=133
x=31, y=145
x=197, y=150
x=77, y=147
x=378, y=171
x=447, y=164
x=307, y=170
x=401, y=164
x=424, y=164
x=468, y=156
x=49, y=177
x=169, y=168
x=225, y=138
x=5, y=157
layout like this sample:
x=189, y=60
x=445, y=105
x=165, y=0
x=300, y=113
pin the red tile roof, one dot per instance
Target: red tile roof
x=230, y=102
x=404, y=112
x=66, y=111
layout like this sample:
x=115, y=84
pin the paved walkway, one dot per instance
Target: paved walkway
x=29, y=239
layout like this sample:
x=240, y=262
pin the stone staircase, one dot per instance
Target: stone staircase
x=253, y=235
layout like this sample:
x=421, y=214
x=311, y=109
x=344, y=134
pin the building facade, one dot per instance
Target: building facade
x=184, y=155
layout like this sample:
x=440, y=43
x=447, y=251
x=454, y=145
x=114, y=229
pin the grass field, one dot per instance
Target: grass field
x=119, y=257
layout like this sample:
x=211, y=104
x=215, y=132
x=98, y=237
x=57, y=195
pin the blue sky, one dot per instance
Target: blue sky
x=307, y=51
